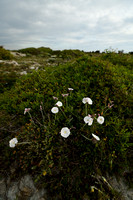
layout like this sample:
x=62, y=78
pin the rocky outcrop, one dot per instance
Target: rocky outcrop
x=21, y=189
x=24, y=188
x=121, y=186
x=17, y=54
x=10, y=62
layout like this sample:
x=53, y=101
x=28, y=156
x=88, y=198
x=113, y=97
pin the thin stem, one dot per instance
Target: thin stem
x=63, y=113
x=24, y=143
x=55, y=119
x=49, y=120
x=66, y=103
x=98, y=190
x=83, y=127
x=38, y=122
x=86, y=109
x=42, y=116
x=31, y=118
x=86, y=137
x=41, y=124
x=106, y=110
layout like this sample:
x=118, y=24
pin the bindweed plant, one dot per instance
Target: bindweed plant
x=60, y=140
x=40, y=136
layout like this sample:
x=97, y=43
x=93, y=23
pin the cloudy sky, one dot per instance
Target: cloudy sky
x=87, y=25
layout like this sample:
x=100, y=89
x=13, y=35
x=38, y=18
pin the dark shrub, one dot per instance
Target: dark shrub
x=5, y=54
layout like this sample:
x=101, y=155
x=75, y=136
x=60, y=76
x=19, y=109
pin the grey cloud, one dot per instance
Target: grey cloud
x=63, y=24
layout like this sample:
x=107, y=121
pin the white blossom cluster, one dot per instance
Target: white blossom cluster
x=65, y=131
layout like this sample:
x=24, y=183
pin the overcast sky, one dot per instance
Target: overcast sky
x=87, y=25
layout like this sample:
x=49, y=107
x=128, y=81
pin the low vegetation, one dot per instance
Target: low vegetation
x=5, y=54
x=36, y=107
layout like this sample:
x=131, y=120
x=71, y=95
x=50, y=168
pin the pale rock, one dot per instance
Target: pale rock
x=23, y=73
x=2, y=189
x=121, y=186
x=12, y=191
x=26, y=184
x=39, y=195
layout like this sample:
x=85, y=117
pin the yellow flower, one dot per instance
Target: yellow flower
x=92, y=188
x=44, y=173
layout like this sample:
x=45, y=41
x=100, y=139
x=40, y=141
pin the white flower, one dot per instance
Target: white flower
x=13, y=142
x=96, y=137
x=59, y=104
x=70, y=89
x=65, y=132
x=88, y=120
x=65, y=95
x=55, y=98
x=26, y=110
x=100, y=119
x=55, y=110
x=87, y=100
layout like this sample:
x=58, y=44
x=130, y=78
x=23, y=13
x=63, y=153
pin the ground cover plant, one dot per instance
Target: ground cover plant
x=70, y=125
x=13, y=64
x=5, y=54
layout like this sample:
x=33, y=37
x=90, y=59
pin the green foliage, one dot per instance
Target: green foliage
x=5, y=54
x=7, y=80
x=69, y=54
x=119, y=59
x=45, y=50
x=30, y=50
x=70, y=166
x=36, y=51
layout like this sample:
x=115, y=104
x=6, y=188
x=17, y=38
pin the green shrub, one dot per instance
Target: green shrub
x=69, y=54
x=5, y=54
x=70, y=165
x=36, y=51
x=7, y=81
x=30, y=50
x=119, y=59
x=45, y=50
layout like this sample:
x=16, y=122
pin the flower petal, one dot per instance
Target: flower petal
x=100, y=119
x=65, y=132
x=55, y=110
x=13, y=142
x=87, y=100
x=96, y=137
x=59, y=104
